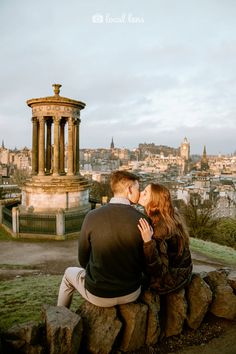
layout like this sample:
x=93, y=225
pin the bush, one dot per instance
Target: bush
x=199, y=219
x=203, y=225
x=225, y=233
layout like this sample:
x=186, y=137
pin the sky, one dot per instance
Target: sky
x=149, y=71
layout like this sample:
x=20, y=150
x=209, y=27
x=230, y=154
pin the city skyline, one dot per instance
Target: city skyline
x=151, y=74
x=204, y=148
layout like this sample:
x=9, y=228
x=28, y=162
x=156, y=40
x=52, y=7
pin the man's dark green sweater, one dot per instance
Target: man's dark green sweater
x=111, y=250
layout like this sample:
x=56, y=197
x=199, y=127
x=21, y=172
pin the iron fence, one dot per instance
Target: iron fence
x=37, y=224
x=7, y=217
x=73, y=222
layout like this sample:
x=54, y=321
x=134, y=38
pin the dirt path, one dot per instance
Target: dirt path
x=26, y=258
x=52, y=257
x=225, y=344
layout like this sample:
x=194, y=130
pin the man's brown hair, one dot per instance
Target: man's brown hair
x=120, y=179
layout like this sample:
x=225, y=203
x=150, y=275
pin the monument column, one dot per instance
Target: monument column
x=74, y=146
x=77, y=160
x=62, y=147
x=49, y=146
x=56, y=146
x=35, y=146
x=41, y=146
x=70, y=147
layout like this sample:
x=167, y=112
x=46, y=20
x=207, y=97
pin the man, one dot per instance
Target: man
x=110, y=250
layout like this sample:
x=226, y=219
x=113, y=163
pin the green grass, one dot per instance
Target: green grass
x=213, y=250
x=21, y=299
x=4, y=235
x=18, y=266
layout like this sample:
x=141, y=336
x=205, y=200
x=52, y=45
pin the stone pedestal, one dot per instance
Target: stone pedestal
x=50, y=193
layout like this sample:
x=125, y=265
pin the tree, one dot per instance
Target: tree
x=200, y=218
x=20, y=176
x=99, y=190
x=226, y=232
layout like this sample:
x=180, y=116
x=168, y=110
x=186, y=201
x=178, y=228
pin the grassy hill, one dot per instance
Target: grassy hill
x=21, y=298
x=214, y=251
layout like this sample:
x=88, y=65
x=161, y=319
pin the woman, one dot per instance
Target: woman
x=166, y=242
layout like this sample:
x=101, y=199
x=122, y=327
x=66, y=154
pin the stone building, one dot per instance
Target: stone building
x=4, y=155
x=185, y=149
x=204, y=160
x=21, y=159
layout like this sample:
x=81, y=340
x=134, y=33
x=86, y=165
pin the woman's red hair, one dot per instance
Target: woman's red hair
x=160, y=210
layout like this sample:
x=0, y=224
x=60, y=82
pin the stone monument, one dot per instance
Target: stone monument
x=56, y=184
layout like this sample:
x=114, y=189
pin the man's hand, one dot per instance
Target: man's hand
x=145, y=229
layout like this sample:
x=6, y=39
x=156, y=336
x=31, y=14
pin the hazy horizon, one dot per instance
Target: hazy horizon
x=125, y=147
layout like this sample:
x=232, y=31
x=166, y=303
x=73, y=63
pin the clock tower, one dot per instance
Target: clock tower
x=185, y=149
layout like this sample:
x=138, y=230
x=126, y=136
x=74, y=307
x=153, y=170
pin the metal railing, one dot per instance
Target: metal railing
x=73, y=222
x=37, y=224
x=7, y=217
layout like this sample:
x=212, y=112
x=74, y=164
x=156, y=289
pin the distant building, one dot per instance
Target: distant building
x=204, y=160
x=4, y=155
x=146, y=149
x=112, y=144
x=185, y=149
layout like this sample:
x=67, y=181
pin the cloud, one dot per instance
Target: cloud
x=171, y=76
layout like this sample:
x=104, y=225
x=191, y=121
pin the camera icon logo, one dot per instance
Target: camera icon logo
x=97, y=18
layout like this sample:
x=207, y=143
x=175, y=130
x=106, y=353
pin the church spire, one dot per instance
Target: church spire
x=3, y=146
x=112, y=144
x=204, y=155
x=204, y=160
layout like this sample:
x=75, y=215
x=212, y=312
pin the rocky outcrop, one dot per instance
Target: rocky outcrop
x=63, y=330
x=24, y=338
x=128, y=327
x=199, y=297
x=101, y=328
x=224, y=300
x=134, y=318
x=232, y=283
x=153, y=329
x=175, y=313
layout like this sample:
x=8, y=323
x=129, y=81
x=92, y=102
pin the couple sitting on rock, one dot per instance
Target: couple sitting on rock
x=119, y=247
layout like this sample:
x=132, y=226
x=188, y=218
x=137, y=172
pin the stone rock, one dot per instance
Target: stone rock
x=13, y=346
x=176, y=313
x=224, y=270
x=63, y=329
x=24, y=338
x=224, y=300
x=27, y=332
x=199, y=297
x=232, y=282
x=153, y=325
x=134, y=318
x=35, y=349
x=1, y=345
x=31, y=349
x=101, y=328
x=216, y=278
